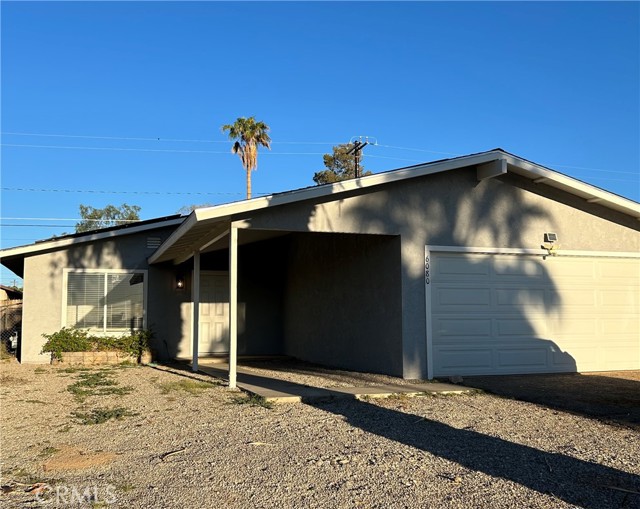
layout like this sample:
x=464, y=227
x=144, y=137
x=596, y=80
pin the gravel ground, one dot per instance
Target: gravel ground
x=198, y=446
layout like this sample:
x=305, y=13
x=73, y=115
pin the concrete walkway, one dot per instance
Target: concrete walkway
x=281, y=391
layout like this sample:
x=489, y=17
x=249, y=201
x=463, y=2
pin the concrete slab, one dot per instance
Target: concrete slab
x=281, y=391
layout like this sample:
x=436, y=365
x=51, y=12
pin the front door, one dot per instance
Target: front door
x=214, y=313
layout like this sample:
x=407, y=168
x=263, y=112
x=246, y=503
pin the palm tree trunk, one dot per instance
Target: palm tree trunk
x=248, y=184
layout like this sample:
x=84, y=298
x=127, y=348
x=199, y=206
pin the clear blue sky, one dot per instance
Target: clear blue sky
x=556, y=83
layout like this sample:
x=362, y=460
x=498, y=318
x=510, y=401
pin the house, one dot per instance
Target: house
x=8, y=294
x=482, y=264
x=10, y=314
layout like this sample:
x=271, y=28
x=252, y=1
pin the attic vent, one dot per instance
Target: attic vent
x=153, y=242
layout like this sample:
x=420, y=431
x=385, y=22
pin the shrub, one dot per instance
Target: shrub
x=78, y=340
x=67, y=340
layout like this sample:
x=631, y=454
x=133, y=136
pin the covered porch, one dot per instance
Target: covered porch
x=329, y=298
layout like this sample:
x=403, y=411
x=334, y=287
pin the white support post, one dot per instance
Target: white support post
x=233, y=305
x=195, y=311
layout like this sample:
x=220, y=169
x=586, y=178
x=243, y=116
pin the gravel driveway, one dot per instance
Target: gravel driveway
x=184, y=441
x=610, y=397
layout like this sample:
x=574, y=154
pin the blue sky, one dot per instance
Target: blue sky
x=113, y=85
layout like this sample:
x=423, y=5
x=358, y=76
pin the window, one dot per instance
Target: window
x=109, y=301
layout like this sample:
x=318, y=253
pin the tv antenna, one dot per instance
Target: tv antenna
x=356, y=150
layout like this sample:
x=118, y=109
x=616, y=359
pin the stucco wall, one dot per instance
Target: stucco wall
x=44, y=277
x=342, y=301
x=453, y=208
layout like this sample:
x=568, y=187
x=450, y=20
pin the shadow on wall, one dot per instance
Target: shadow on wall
x=447, y=209
x=164, y=313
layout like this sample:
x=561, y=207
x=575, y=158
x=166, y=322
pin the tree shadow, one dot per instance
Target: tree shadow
x=442, y=209
x=575, y=481
x=611, y=399
x=578, y=482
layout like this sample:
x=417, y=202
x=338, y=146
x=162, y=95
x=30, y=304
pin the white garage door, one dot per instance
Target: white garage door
x=506, y=314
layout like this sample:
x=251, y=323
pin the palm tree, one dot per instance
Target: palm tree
x=248, y=134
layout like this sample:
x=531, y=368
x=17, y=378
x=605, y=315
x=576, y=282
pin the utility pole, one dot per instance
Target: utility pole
x=358, y=145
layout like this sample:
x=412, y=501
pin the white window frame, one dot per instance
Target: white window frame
x=105, y=272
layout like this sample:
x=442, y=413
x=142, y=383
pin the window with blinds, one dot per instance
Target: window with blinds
x=108, y=301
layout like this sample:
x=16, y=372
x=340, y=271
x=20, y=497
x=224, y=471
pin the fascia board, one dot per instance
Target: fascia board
x=226, y=211
x=575, y=187
x=180, y=231
x=57, y=244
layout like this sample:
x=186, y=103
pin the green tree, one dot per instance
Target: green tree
x=248, y=135
x=188, y=209
x=340, y=166
x=93, y=219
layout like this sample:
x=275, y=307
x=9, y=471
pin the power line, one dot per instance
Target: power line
x=38, y=225
x=65, y=219
x=418, y=150
x=38, y=190
x=128, y=138
x=178, y=151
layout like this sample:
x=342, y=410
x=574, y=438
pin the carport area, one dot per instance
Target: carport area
x=612, y=397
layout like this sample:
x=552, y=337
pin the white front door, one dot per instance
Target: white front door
x=214, y=313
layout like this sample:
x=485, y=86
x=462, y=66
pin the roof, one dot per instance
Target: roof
x=11, y=257
x=12, y=293
x=205, y=225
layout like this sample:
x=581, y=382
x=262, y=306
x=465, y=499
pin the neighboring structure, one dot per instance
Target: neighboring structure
x=8, y=293
x=10, y=315
x=483, y=264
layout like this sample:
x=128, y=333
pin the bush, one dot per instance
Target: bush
x=67, y=340
x=78, y=340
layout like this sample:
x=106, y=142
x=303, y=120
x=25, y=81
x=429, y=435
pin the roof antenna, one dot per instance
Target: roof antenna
x=358, y=145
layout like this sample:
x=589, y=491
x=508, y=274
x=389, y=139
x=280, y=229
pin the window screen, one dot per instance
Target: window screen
x=105, y=300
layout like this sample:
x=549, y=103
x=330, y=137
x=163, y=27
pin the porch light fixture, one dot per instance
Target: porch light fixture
x=179, y=282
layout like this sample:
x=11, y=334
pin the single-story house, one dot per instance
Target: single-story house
x=8, y=293
x=482, y=264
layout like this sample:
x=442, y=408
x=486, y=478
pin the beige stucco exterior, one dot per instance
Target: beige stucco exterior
x=282, y=262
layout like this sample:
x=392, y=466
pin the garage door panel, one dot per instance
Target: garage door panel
x=613, y=270
x=522, y=314
x=561, y=361
x=566, y=327
x=624, y=301
x=617, y=356
x=576, y=297
x=515, y=359
x=622, y=326
x=463, y=327
x=532, y=298
x=455, y=297
x=518, y=327
x=456, y=268
x=577, y=271
x=452, y=360
x=519, y=267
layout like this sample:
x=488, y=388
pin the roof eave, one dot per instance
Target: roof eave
x=53, y=244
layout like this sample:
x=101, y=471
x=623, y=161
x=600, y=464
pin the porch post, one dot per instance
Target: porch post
x=233, y=305
x=195, y=311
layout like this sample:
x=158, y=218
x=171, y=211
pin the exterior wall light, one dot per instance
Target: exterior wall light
x=179, y=282
x=550, y=245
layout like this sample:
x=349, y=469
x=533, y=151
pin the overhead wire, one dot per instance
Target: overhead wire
x=97, y=191
x=129, y=138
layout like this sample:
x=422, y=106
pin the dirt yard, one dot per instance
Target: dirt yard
x=160, y=437
x=611, y=397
